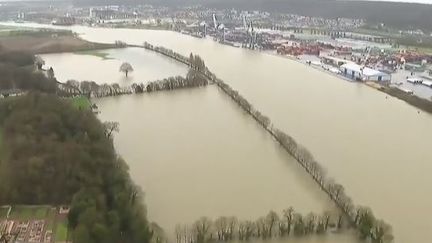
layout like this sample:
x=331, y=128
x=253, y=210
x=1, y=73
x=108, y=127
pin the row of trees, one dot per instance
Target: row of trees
x=359, y=217
x=91, y=88
x=193, y=79
x=59, y=155
x=290, y=223
x=193, y=61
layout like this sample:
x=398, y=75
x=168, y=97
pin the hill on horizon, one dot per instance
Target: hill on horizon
x=395, y=14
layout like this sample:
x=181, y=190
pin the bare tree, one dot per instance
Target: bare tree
x=126, y=68
x=201, y=229
x=111, y=127
x=288, y=214
x=179, y=233
x=231, y=224
x=272, y=218
x=381, y=232
x=221, y=227
x=310, y=223
x=39, y=62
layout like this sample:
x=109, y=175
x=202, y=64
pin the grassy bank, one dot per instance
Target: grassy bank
x=1, y=141
x=413, y=100
x=81, y=103
x=47, y=41
x=96, y=53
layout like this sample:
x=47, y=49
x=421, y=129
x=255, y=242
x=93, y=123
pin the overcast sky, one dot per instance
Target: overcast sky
x=413, y=1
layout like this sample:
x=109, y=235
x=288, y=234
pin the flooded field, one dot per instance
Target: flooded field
x=195, y=153
x=376, y=146
x=103, y=66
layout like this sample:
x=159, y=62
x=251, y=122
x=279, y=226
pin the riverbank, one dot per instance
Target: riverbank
x=413, y=100
x=47, y=41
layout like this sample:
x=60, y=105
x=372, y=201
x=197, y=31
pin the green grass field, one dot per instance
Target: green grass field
x=50, y=218
x=1, y=142
x=81, y=103
x=29, y=212
x=3, y=212
x=61, y=232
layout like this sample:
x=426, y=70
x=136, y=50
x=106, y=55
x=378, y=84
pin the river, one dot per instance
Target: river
x=378, y=147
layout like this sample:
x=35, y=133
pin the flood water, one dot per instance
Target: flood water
x=148, y=66
x=378, y=147
x=196, y=153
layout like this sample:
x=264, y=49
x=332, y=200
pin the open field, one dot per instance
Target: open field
x=61, y=231
x=1, y=141
x=3, y=212
x=81, y=103
x=29, y=213
x=46, y=42
x=96, y=53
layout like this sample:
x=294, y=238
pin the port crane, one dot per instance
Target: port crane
x=203, y=27
x=219, y=28
x=251, y=33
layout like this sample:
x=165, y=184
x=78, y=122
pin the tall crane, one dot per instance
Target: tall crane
x=219, y=28
x=203, y=27
x=251, y=33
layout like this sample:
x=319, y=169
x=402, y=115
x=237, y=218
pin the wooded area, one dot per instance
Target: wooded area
x=57, y=154
x=53, y=153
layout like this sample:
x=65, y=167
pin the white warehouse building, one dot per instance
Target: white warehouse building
x=358, y=72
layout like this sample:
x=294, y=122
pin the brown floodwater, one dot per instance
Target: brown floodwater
x=377, y=146
x=196, y=153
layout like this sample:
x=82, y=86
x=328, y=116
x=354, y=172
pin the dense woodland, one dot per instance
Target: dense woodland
x=53, y=153
x=57, y=154
x=17, y=72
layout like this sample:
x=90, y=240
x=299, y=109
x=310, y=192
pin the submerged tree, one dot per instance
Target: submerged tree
x=39, y=62
x=126, y=68
x=111, y=127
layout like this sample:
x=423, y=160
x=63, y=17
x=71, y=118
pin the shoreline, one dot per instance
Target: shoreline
x=412, y=100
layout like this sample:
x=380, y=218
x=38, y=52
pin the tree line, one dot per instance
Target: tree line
x=56, y=154
x=17, y=74
x=362, y=218
x=91, y=88
x=273, y=225
x=192, y=79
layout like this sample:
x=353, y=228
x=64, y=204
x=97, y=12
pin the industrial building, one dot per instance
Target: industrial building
x=361, y=73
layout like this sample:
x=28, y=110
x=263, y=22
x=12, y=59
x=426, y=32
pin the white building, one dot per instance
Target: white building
x=362, y=73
